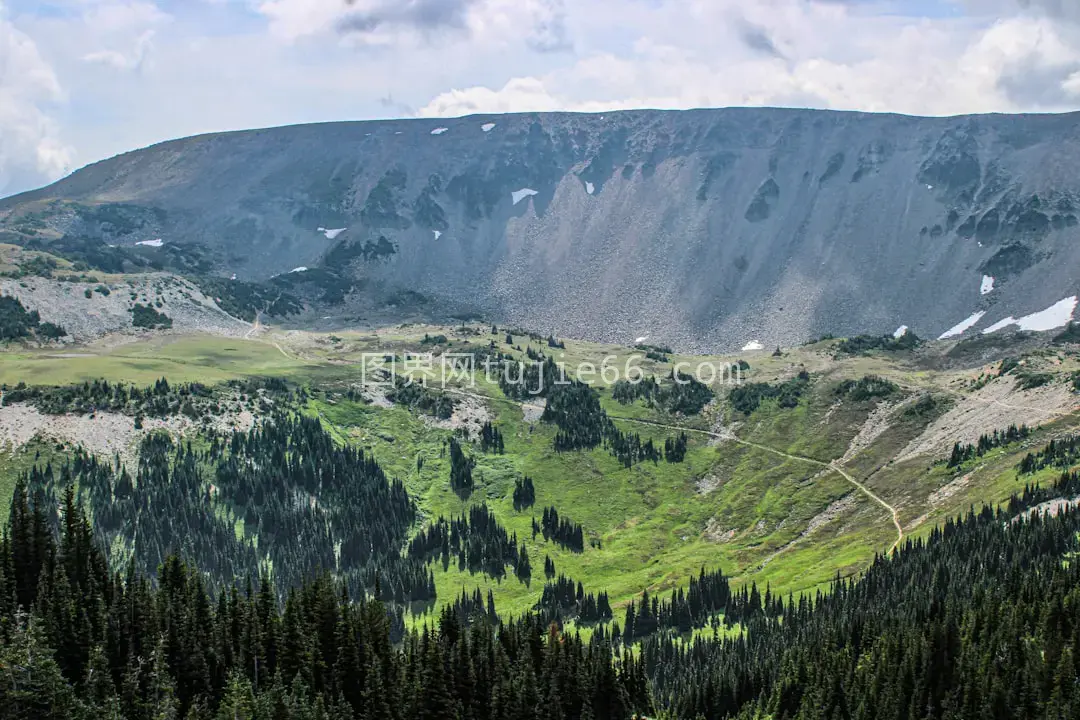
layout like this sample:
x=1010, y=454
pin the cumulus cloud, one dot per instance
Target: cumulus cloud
x=757, y=38
x=31, y=148
x=122, y=32
x=517, y=95
x=1033, y=61
x=378, y=20
x=835, y=55
x=228, y=64
x=1067, y=10
x=550, y=32
x=118, y=60
x=368, y=16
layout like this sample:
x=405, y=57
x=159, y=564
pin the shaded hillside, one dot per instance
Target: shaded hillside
x=703, y=229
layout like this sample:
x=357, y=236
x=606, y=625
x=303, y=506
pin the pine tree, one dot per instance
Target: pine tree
x=32, y=686
x=238, y=700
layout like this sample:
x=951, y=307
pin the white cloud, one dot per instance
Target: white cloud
x=123, y=32
x=121, y=61
x=229, y=64
x=31, y=148
x=292, y=19
x=833, y=56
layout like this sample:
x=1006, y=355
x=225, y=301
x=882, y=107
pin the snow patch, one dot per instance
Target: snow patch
x=438, y=234
x=331, y=234
x=987, y=285
x=961, y=327
x=929, y=187
x=487, y=127
x=521, y=194
x=439, y=131
x=900, y=332
x=641, y=339
x=302, y=268
x=151, y=243
x=753, y=345
x=590, y=188
x=1057, y=315
x=1000, y=324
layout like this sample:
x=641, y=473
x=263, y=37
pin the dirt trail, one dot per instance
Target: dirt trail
x=799, y=458
x=296, y=358
x=985, y=409
x=255, y=326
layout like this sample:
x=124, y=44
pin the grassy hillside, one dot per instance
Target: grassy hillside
x=787, y=494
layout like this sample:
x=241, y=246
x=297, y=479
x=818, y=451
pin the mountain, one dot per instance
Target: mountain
x=703, y=229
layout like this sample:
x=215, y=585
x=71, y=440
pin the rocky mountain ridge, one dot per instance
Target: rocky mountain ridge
x=703, y=229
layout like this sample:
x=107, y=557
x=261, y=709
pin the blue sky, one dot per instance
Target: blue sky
x=81, y=80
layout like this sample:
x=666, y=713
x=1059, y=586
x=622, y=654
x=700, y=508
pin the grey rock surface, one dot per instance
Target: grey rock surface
x=703, y=229
x=86, y=313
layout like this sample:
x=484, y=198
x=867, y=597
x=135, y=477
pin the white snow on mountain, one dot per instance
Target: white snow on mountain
x=961, y=327
x=519, y=195
x=1057, y=315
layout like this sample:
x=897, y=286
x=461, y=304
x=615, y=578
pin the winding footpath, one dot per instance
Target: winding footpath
x=799, y=458
x=733, y=438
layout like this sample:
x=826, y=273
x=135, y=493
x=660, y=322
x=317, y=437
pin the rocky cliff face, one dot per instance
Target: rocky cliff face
x=704, y=229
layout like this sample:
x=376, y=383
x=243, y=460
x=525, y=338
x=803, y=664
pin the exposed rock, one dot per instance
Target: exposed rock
x=87, y=312
x=704, y=229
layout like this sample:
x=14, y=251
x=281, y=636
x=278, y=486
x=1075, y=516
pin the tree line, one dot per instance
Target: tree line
x=563, y=599
x=962, y=453
x=682, y=394
x=478, y=543
x=574, y=408
x=980, y=619
x=80, y=640
x=708, y=594
x=162, y=399
x=1060, y=453
x=560, y=530
x=748, y=397
x=282, y=497
x=18, y=323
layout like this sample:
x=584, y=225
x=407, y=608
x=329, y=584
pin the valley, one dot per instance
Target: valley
x=373, y=482
x=782, y=494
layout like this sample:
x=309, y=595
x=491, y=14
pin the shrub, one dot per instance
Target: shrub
x=748, y=398
x=145, y=316
x=1028, y=380
x=864, y=344
x=869, y=387
x=50, y=331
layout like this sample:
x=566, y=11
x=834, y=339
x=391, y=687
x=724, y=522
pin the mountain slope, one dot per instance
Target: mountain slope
x=703, y=229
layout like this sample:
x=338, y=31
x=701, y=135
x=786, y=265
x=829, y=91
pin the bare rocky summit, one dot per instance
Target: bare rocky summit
x=703, y=229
